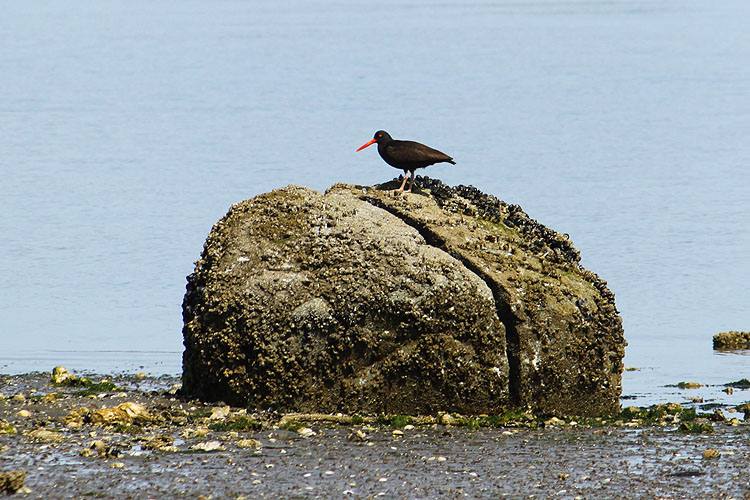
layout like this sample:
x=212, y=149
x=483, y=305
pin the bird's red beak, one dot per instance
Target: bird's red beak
x=363, y=146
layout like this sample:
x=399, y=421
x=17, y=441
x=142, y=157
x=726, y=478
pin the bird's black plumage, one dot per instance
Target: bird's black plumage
x=406, y=155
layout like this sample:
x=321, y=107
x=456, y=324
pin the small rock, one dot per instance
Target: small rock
x=448, y=419
x=711, y=453
x=356, y=435
x=674, y=407
x=219, y=413
x=111, y=452
x=305, y=432
x=409, y=427
x=553, y=421
x=398, y=433
x=77, y=417
x=734, y=422
x=728, y=390
x=158, y=442
x=60, y=375
x=12, y=481
x=126, y=414
x=117, y=465
x=50, y=398
x=248, y=443
x=87, y=452
x=98, y=446
x=45, y=436
x=563, y=476
x=732, y=340
x=24, y=413
x=19, y=397
x=441, y=459
x=208, y=446
x=140, y=375
x=718, y=416
x=6, y=428
x=103, y=450
x=195, y=433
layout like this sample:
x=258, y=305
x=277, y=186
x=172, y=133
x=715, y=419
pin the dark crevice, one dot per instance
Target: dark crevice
x=502, y=306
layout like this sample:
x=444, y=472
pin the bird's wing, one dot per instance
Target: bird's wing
x=410, y=151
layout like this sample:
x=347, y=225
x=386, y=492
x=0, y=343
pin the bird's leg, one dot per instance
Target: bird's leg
x=411, y=184
x=401, y=189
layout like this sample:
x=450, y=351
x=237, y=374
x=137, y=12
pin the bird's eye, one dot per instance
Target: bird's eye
x=380, y=135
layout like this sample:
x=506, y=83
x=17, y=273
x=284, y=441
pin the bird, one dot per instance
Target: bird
x=406, y=155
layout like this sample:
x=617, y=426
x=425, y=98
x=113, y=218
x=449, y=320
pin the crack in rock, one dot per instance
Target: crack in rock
x=500, y=295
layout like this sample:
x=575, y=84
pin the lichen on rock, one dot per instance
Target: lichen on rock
x=359, y=300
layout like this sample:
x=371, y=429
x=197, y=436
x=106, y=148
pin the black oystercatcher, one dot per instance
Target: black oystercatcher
x=406, y=155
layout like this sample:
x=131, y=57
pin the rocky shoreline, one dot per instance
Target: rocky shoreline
x=133, y=436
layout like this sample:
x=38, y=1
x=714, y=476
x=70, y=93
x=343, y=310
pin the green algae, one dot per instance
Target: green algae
x=739, y=384
x=128, y=429
x=238, y=424
x=88, y=386
x=512, y=417
x=695, y=428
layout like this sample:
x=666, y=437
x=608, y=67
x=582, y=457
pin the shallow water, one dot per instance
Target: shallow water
x=129, y=128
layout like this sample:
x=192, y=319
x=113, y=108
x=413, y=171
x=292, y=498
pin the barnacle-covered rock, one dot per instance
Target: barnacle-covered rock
x=362, y=300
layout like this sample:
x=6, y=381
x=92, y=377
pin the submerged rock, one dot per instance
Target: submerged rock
x=732, y=340
x=360, y=300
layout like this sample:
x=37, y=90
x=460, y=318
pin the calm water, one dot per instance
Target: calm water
x=128, y=128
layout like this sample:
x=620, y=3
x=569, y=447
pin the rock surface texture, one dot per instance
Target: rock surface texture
x=362, y=300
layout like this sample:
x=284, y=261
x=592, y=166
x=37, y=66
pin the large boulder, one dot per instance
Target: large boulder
x=362, y=300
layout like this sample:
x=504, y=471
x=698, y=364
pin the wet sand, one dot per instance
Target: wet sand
x=184, y=449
